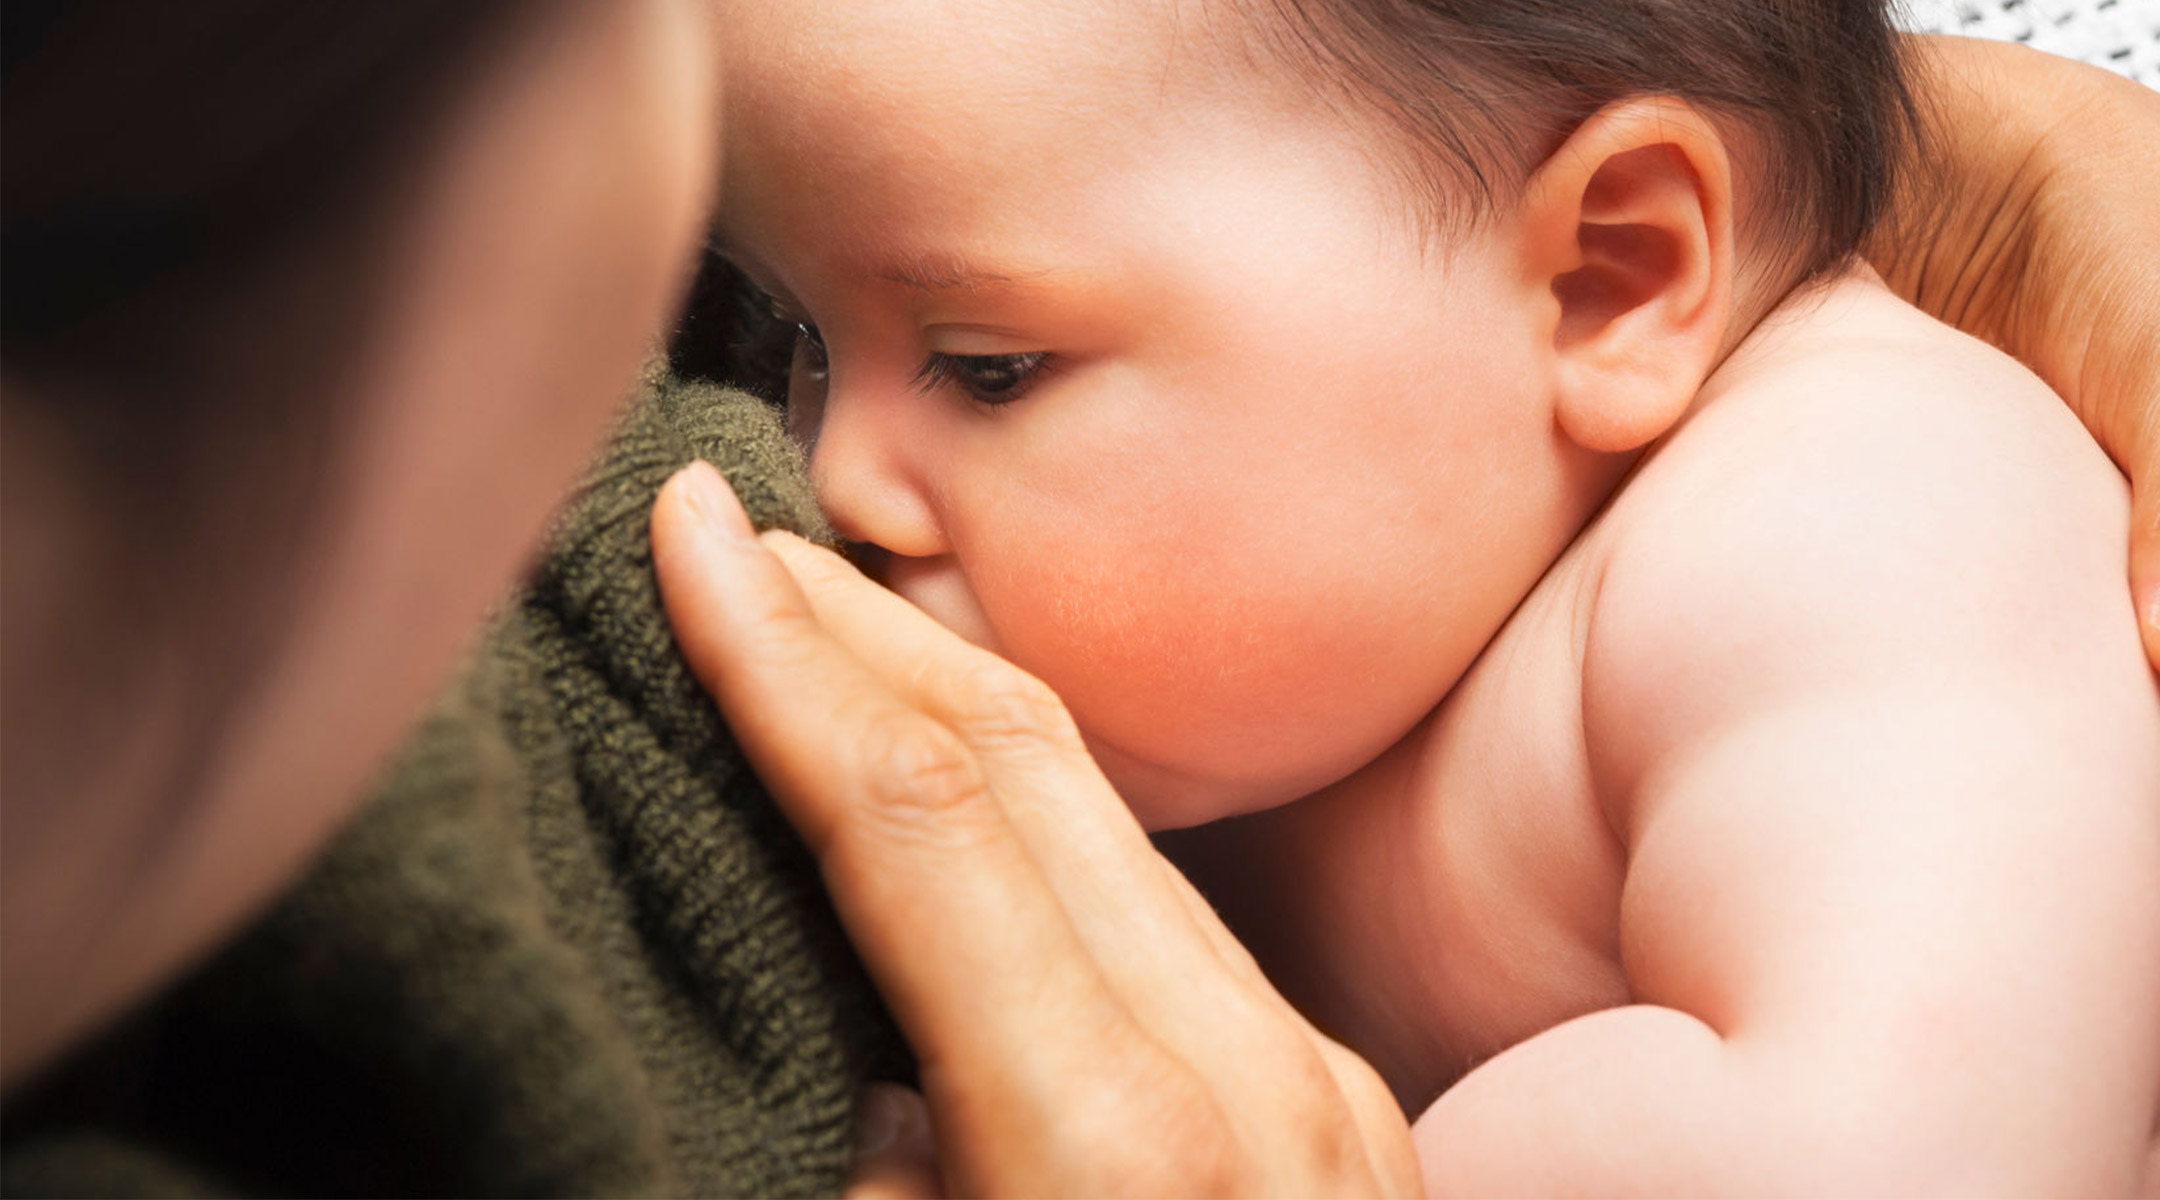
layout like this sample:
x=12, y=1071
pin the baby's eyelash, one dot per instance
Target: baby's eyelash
x=992, y=379
x=988, y=378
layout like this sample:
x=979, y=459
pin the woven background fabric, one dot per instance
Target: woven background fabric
x=2121, y=35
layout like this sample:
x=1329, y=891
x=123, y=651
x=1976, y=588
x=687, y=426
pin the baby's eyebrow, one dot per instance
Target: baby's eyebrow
x=948, y=272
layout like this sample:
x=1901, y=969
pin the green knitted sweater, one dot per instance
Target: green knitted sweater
x=570, y=948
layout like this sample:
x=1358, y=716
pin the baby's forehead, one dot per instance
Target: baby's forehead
x=1011, y=70
x=974, y=121
x=1109, y=153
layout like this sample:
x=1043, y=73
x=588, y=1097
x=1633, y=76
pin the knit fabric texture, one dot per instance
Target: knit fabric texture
x=570, y=948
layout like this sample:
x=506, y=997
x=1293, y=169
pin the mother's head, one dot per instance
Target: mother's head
x=310, y=311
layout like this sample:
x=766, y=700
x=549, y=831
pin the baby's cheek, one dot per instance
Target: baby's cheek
x=1211, y=666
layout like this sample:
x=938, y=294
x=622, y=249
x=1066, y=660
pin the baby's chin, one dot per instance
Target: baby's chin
x=1164, y=798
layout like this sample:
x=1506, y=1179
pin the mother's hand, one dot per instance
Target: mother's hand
x=1084, y=1022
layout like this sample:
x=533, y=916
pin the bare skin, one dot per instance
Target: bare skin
x=1558, y=879
x=962, y=789
x=549, y=333
x=787, y=626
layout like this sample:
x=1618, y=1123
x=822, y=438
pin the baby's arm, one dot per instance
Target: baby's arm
x=1887, y=766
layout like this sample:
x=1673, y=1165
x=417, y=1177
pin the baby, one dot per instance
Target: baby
x=1677, y=701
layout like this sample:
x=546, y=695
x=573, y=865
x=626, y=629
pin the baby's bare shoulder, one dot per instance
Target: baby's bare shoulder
x=1865, y=702
x=1865, y=494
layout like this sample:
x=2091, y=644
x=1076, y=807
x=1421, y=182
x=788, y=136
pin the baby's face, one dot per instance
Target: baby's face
x=1134, y=372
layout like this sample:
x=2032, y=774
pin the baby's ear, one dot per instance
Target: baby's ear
x=1630, y=222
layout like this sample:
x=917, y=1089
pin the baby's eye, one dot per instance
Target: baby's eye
x=988, y=378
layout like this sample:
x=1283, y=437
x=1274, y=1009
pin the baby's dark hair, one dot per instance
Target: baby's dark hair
x=1486, y=89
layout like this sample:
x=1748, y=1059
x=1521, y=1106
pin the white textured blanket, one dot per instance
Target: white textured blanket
x=2121, y=35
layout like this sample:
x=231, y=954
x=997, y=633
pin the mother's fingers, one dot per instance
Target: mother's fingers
x=971, y=948
x=1156, y=941
x=1141, y=918
x=1124, y=1060
x=829, y=726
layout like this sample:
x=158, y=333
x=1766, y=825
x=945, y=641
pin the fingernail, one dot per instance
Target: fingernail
x=714, y=502
x=880, y=1116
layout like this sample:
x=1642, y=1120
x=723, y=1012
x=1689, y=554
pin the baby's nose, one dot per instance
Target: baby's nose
x=869, y=485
